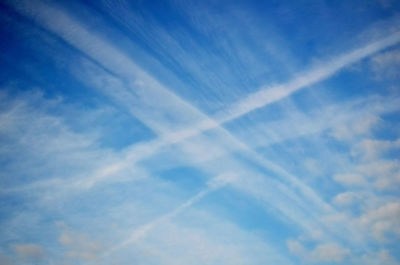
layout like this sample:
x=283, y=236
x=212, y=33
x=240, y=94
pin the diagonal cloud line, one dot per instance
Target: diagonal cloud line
x=308, y=78
x=72, y=32
x=142, y=231
x=320, y=120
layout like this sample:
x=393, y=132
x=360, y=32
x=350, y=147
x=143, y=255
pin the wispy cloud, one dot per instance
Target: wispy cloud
x=328, y=252
x=30, y=252
x=215, y=183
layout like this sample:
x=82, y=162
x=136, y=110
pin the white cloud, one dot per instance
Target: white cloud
x=296, y=248
x=373, y=165
x=4, y=260
x=376, y=218
x=381, y=257
x=275, y=93
x=346, y=198
x=350, y=179
x=386, y=65
x=79, y=245
x=345, y=121
x=361, y=126
x=141, y=232
x=383, y=222
x=329, y=252
x=199, y=238
x=57, y=156
x=371, y=149
x=387, y=3
x=30, y=252
x=324, y=252
x=313, y=166
x=385, y=174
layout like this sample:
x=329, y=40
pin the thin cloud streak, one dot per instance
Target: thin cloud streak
x=141, y=232
x=318, y=74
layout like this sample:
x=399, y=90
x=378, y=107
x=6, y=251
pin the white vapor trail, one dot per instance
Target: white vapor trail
x=216, y=183
x=320, y=73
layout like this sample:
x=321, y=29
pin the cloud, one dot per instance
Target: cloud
x=371, y=216
x=385, y=174
x=4, y=260
x=377, y=258
x=383, y=222
x=361, y=126
x=345, y=121
x=272, y=94
x=386, y=65
x=350, y=179
x=373, y=165
x=80, y=245
x=325, y=252
x=313, y=166
x=386, y=3
x=371, y=149
x=329, y=252
x=296, y=248
x=31, y=252
x=59, y=155
x=201, y=238
x=141, y=232
x=346, y=198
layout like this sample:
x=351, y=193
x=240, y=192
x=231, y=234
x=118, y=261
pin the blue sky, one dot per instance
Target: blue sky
x=200, y=132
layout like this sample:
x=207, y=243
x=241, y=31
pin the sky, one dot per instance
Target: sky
x=200, y=132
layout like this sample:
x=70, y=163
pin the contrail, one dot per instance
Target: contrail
x=320, y=73
x=215, y=183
